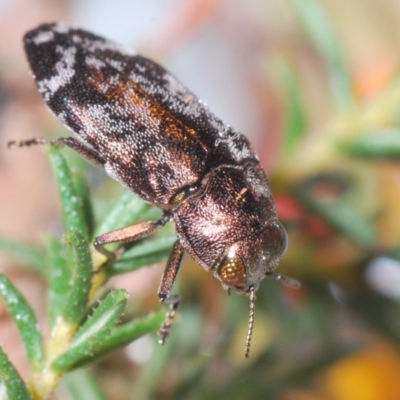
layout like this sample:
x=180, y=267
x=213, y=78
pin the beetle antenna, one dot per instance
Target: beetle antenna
x=252, y=297
x=285, y=280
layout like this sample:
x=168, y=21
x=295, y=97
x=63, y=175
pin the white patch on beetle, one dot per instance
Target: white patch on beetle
x=64, y=72
x=95, y=62
x=43, y=37
x=104, y=45
x=188, y=99
x=61, y=27
x=118, y=65
x=77, y=39
x=114, y=80
x=62, y=116
x=141, y=68
x=175, y=87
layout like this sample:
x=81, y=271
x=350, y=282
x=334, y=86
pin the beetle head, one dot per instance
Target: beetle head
x=248, y=261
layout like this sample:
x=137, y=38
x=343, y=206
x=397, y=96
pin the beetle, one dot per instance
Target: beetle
x=159, y=140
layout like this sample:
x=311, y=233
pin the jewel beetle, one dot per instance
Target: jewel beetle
x=150, y=133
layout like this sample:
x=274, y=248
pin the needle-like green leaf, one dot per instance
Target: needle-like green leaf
x=294, y=118
x=384, y=144
x=345, y=217
x=27, y=255
x=11, y=380
x=350, y=221
x=59, y=279
x=124, y=334
x=93, y=332
x=80, y=283
x=71, y=203
x=119, y=336
x=325, y=39
x=145, y=253
x=82, y=386
x=83, y=191
x=26, y=322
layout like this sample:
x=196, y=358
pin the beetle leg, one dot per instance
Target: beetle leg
x=167, y=281
x=85, y=151
x=127, y=234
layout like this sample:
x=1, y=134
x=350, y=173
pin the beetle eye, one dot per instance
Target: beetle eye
x=232, y=271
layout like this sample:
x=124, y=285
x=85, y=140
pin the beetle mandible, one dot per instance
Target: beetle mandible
x=154, y=136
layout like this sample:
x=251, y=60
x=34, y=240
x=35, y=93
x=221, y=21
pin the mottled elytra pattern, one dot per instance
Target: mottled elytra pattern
x=162, y=142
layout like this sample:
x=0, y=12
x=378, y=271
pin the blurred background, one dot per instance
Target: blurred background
x=315, y=85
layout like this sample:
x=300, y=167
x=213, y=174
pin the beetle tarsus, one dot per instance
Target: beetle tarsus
x=27, y=142
x=111, y=256
x=166, y=325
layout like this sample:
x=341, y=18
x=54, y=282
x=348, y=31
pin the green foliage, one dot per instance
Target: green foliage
x=383, y=144
x=25, y=254
x=323, y=36
x=82, y=386
x=295, y=119
x=91, y=334
x=12, y=387
x=84, y=325
x=26, y=322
